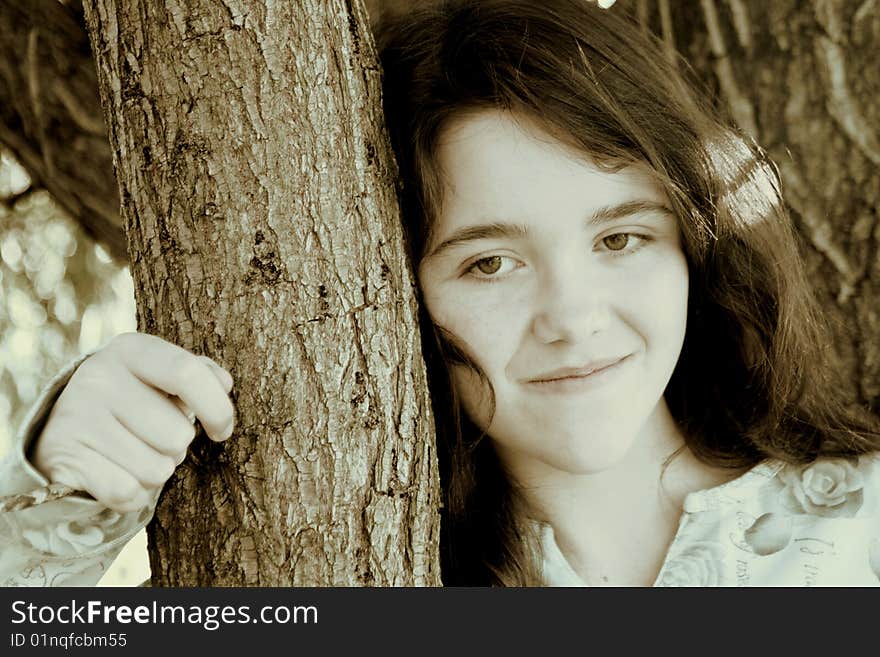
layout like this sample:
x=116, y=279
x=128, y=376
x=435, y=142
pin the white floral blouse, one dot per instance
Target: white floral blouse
x=776, y=525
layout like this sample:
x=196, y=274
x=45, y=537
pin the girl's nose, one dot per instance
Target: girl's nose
x=570, y=308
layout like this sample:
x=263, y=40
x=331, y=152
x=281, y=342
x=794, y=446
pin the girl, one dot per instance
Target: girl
x=629, y=374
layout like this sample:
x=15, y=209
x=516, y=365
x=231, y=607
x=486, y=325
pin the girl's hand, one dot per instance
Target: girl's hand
x=123, y=422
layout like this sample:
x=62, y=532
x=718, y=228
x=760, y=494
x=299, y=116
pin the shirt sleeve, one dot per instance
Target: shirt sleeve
x=44, y=541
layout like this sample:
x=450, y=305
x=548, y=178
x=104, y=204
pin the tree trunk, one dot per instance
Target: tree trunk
x=803, y=79
x=50, y=113
x=259, y=202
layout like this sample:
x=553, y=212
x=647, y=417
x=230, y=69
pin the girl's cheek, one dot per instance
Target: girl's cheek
x=475, y=395
x=486, y=321
x=661, y=295
x=484, y=327
x=467, y=310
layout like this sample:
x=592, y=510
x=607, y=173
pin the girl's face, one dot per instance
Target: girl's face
x=568, y=286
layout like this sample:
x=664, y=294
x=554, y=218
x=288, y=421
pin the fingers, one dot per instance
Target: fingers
x=119, y=446
x=125, y=419
x=183, y=408
x=108, y=483
x=200, y=383
x=224, y=377
x=158, y=420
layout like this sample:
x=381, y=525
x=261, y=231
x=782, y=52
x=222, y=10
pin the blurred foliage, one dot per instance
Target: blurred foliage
x=60, y=294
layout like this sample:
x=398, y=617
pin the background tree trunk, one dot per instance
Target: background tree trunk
x=258, y=195
x=50, y=113
x=803, y=78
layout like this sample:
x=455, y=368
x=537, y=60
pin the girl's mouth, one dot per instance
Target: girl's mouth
x=573, y=380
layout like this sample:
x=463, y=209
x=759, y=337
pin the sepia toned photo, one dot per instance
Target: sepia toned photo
x=460, y=293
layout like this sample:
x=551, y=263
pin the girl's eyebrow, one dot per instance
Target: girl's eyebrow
x=501, y=230
x=494, y=230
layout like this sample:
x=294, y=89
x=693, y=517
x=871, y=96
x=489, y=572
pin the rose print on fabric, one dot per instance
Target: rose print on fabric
x=769, y=534
x=699, y=564
x=829, y=488
x=73, y=537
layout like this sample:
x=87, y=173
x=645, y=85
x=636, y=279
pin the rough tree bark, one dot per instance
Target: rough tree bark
x=50, y=113
x=258, y=196
x=803, y=78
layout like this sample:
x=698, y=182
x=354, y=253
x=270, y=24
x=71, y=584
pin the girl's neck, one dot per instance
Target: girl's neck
x=620, y=521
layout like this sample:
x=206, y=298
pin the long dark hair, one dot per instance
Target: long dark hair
x=753, y=380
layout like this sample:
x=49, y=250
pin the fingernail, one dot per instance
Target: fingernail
x=227, y=432
x=222, y=374
x=227, y=380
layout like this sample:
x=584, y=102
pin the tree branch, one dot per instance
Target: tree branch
x=740, y=106
x=842, y=107
x=50, y=114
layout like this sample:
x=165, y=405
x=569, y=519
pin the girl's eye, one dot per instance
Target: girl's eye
x=621, y=243
x=491, y=267
x=616, y=242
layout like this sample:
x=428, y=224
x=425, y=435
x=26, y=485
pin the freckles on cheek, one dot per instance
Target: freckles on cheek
x=664, y=296
x=474, y=324
x=481, y=326
x=469, y=320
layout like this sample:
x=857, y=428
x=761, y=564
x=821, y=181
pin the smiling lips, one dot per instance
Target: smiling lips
x=577, y=372
x=576, y=380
